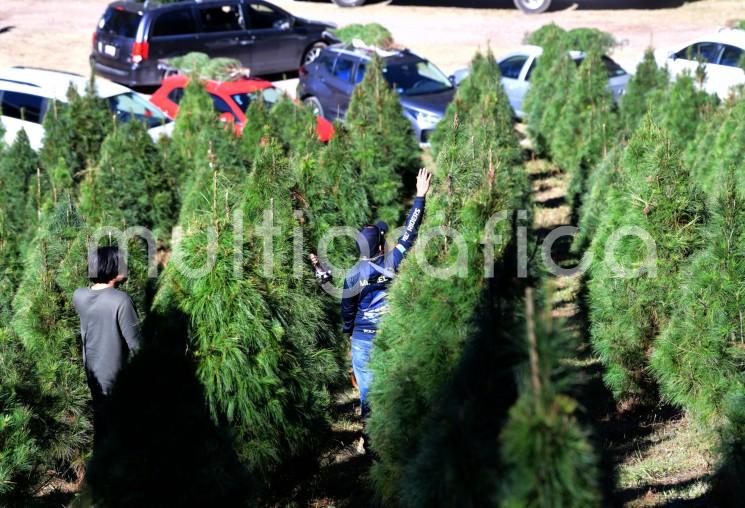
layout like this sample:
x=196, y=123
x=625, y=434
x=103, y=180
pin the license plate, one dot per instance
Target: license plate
x=109, y=50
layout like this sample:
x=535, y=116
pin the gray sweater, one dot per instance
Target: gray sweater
x=110, y=331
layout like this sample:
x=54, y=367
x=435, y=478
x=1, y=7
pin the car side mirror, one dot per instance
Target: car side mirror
x=672, y=56
x=451, y=78
x=284, y=24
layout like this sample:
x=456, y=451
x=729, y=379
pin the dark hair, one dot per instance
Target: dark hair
x=104, y=263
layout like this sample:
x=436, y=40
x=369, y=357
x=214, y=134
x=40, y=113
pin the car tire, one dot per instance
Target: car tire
x=314, y=104
x=312, y=52
x=533, y=6
x=348, y=3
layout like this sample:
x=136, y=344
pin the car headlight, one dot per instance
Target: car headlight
x=424, y=117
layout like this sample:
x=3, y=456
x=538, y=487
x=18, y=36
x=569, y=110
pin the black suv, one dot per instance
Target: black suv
x=132, y=37
x=326, y=84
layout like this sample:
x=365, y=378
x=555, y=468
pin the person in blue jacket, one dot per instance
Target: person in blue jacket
x=366, y=286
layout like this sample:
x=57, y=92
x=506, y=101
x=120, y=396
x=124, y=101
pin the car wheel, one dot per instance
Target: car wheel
x=348, y=3
x=312, y=52
x=314, y=104
x=533, y=6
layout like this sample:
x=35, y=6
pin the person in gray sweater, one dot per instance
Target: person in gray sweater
x=109, y=328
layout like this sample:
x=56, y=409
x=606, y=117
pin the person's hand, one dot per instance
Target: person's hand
x=422, y=182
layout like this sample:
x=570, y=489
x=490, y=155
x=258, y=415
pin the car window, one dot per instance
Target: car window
x=343, y=68
x=28, y=107
x=176, y=22
x=176, y=95
x=416, y=78
x=119, y=22
x=731, y=56
x=361, y=68
x=221, y=18
x=262, y=16
x=325, y=61
x=132, y=106
x=614, y=70
x=511, y=67
x=220, y=105
x=269, y=95
x=707, y=52
x=530, y=69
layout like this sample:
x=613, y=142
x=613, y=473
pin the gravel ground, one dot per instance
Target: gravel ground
x=57, y=33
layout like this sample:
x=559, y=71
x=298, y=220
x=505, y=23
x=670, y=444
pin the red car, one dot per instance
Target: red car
x=230, y=98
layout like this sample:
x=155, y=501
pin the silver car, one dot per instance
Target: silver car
x=517, y=67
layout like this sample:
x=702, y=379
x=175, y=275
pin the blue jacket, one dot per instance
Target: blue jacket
x=366, y=286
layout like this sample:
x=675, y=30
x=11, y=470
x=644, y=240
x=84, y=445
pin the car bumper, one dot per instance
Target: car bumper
x=134, y=75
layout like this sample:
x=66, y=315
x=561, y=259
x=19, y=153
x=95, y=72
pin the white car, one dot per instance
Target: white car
x=721, y=55
x=27, y=93
x=516, y=69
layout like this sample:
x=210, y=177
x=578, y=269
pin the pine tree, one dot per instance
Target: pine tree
x=698, y=357
x=646, y=86
x=587, y=126
x=17, y=165
x=261, y=343
x=728, y=482
x=74, y=131
x=657, y=195
x=682, y=108
x=547, y=457
x=47, y=327
x=382, y=142
x=196, y=119
x=296, y=127
x=415, y=353
x=129, y=186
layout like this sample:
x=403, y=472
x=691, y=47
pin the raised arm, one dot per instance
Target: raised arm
x=413, y=221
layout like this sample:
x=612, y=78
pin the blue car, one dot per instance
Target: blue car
x=326, y=84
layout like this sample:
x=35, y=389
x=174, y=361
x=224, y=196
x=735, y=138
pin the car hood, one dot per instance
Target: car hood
x=434, y=102
x=312, y=22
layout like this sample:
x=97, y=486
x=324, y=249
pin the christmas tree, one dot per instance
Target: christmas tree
x=646, y=86
x=415, y=354
x=382, y=143
x=628, y=311
x=697, y=357
x=587, y=126
x=681, y=109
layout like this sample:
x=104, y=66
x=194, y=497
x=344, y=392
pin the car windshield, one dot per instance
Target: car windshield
x=614, y=70
x=119, y=22
x=269, y=95
x=416, y=78
x=130, y=105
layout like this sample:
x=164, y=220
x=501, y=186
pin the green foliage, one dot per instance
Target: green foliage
x=17, y=165
x=372, y=34
x=644, y=88
x=546, y=454
x=47, y=327
x=74, y=131
x=422, y=340
x=196, y=118
x=587, y=125
x=201, y=66
x=698, y=358
x=578, y=39
x=655, y=193
x=129, y=186
x=260, y=339
x=296, y=126
x=382, y=142
x=730, y=477
x=682, y=108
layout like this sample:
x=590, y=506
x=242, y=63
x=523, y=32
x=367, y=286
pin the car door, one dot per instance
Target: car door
x=174, y=32
x=341, y=83
x=223, y=32
x=688, y=58
x=513, y=69
x=726, y=72
x=277, y=46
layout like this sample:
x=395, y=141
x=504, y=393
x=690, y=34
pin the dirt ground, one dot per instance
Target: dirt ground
x=57, y=33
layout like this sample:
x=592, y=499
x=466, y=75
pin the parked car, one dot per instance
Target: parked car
x=721, y=54
x=26, y=94
x=131, y=37
x=527, y=6
x=326, y=84
x=230, y=99
x=517, y=67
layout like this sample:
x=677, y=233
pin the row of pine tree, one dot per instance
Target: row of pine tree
x=667, y=161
